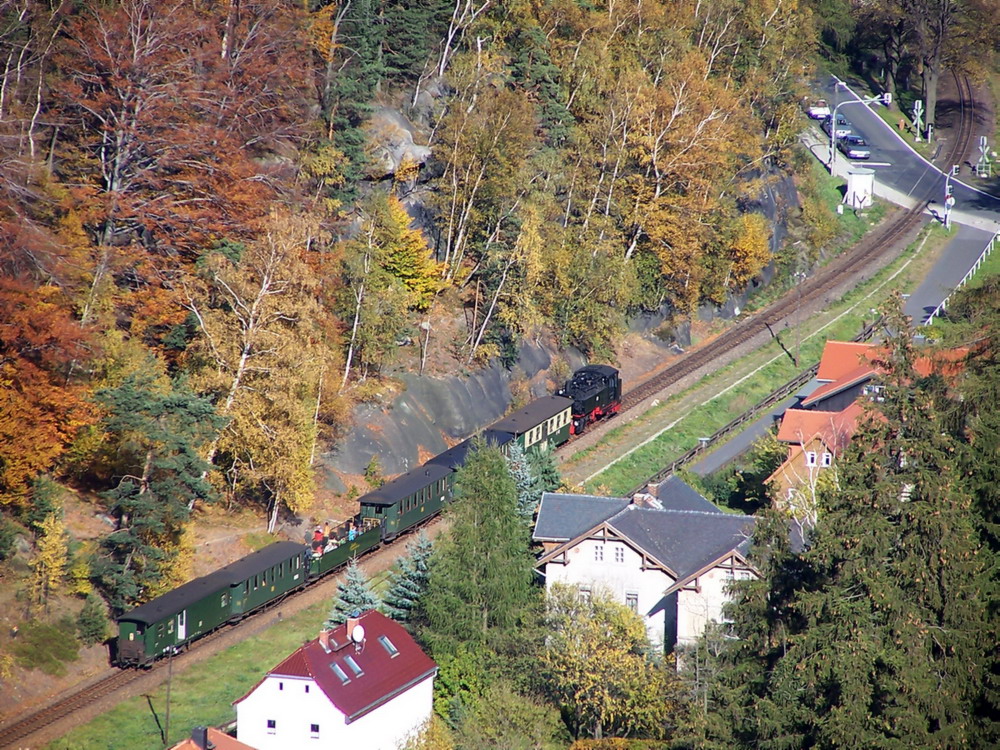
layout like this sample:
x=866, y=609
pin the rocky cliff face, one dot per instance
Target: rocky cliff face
x=431, y=415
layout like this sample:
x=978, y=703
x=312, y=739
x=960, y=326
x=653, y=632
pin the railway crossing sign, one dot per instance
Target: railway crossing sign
x=918, y=118
x=984, y=167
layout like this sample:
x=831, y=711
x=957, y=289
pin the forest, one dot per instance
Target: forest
x=207, y=256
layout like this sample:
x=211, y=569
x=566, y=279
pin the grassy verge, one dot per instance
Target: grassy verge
x=698, y=412
x=203, y=694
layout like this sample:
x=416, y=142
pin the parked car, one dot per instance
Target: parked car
x=819, y=110
x=854, y=147
x=843, y=127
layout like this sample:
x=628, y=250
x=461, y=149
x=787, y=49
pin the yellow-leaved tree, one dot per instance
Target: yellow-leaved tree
x=51, y=556
x=597, y=666
x=263, y=352
x=751, y=249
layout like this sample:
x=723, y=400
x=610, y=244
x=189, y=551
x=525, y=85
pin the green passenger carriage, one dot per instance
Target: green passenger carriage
x=408, y=499
x=173, y=620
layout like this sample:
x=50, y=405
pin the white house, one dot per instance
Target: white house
x=669, y=557
x=365, y=685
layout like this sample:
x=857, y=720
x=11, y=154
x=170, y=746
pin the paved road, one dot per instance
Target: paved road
x=904, y=176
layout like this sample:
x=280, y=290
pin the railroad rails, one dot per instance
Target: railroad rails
x=826, y=279
x=872, y=248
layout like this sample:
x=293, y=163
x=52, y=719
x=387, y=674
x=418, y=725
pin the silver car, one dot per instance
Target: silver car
x=854, y=147
x=843, y=127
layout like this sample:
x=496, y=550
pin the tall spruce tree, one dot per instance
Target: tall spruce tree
x=886, y=624
x=409, y=581
x=157, y=430
x=524, y=482
x=975, y=314
x=354, y=594
x=481, y=573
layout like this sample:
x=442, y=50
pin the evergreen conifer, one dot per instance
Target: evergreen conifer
x=524, y=481
x=354, y=594
x=481, y=573
x=872, y=637
x=92, y=622
x=160, y=429
x=409, y=581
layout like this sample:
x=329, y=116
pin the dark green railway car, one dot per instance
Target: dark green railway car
x=342, y=546
x=199, y=606
x=541, y=425
x=408, y=499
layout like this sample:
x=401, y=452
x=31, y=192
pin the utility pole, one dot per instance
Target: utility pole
x=885, y=99
x=949, y=201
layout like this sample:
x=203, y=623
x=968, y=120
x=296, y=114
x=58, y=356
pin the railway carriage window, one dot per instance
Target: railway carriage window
x=170, y=626
x=246, y=588
x=297, y=562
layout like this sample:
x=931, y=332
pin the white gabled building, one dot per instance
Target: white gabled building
x=365, y=685
x=668, y=557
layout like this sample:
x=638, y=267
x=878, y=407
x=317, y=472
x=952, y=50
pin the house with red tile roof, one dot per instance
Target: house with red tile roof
x=210, y=738
x=365, y=685
x=819, y=428
x=815, y=438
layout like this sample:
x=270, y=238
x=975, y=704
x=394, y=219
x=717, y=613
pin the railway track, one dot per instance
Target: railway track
x=873, y=248
x=870, y=249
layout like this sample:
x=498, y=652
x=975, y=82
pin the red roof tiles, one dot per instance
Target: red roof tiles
x=384, y=672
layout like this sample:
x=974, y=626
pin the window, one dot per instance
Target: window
x=728, y=574
x=743, y=575
x=585, y=593
x=827, y=459
x=619, y=554
x=281, y=686
x=355, y=667
x=388, y=646
x=337, y=670
x=810, y=458
x=632, y=601
x=272, y=726
x=599, y=553
x=314, y=731
x=307, y=688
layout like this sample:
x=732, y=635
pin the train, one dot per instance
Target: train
x=174, y=620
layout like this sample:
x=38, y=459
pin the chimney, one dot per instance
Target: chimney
x=324, y=639
x=646, y=500
x=352, y=622
x=199, y=736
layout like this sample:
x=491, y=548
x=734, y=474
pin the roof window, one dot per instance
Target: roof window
x=388, y=646
x=355, y=667
x=337, y=670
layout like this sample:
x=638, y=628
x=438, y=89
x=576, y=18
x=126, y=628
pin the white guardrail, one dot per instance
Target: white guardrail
x=965, y=280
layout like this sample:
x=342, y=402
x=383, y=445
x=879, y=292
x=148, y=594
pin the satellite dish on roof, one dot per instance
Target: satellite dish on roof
x=358, y=634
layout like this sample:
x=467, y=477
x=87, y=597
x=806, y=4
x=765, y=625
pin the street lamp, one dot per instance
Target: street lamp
x=885, y=99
